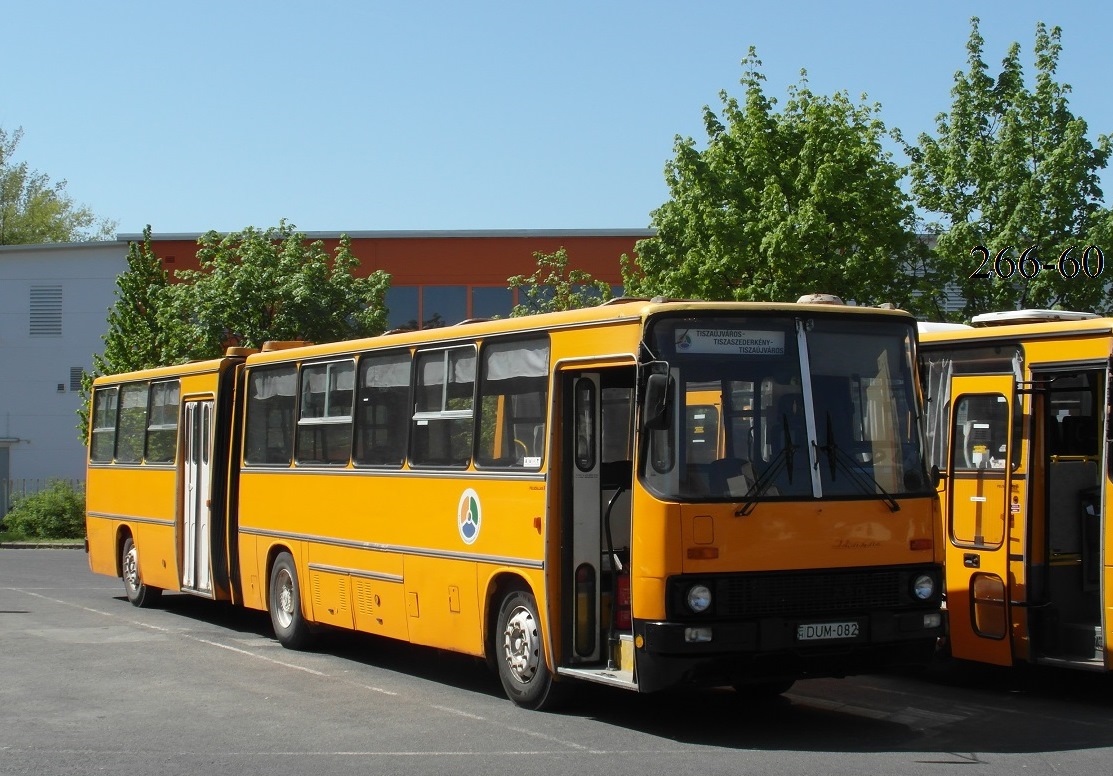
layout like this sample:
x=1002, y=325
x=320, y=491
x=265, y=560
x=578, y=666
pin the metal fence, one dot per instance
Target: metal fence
x=12, y=490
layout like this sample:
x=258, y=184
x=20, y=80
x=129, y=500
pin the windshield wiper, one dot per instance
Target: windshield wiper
x=837, y=459
x=780, y=461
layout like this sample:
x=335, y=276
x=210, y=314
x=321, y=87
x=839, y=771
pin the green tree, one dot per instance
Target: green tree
x=273, y=284
x=140, y=330
x=779, y=204
x=1011, y=169
x=140, y=326
x=34, y=210
x=553, y=286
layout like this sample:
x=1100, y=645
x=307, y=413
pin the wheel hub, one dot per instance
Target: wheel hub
x=521, y=645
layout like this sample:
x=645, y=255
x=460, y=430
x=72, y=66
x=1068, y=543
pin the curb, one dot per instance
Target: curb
x=76, y=545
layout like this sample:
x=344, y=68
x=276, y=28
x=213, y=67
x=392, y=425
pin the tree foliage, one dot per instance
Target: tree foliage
x=140, y=329
x=553, y=286
x=34, y=210
x=252, y=286
x=273, y=284
x=58, y=512
x=779, y=204
x=1010, y=169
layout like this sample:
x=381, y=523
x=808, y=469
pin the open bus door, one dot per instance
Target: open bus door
x=982, y=500
x=597, y=442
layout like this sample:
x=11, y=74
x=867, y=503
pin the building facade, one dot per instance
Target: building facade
x=441, y=278
x=54, y=302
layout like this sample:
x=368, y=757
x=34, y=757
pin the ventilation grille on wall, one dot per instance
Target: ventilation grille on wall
x=46, y=311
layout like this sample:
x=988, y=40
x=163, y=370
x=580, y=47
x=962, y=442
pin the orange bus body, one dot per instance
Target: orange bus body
x=1018, y=425
x=548, y=492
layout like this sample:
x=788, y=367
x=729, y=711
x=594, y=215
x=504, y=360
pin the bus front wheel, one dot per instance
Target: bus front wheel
x=526, y=678
x=284, y=604
x=139, y=594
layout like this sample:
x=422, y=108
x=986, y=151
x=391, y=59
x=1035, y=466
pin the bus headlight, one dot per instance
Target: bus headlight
x=923, y=587
x=699, y=598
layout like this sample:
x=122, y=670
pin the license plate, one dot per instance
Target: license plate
x=819, y=631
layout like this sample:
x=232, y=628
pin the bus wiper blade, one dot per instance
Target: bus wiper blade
x=780, y=461
x=866, y=482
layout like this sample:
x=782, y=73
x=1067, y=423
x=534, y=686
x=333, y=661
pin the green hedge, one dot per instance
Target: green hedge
x=55, y=513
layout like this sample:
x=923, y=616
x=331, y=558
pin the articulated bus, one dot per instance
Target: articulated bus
x=644, y=494
x=1018, y=424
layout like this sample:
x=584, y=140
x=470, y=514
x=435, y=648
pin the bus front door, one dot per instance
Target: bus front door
x=980, y=507
x=597, y=443
x=196, y=477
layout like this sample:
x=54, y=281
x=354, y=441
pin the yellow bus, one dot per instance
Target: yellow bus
x=643, y=494
x=1017, y=424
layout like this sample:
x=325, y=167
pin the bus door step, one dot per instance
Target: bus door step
x=614, y=678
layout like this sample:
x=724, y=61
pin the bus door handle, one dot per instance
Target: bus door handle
x=972, y=560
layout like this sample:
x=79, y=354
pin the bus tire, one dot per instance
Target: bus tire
x=139, y=593
x=284, y=604
x=519, y=653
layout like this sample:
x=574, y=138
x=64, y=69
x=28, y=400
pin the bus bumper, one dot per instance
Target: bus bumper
x=722, y=653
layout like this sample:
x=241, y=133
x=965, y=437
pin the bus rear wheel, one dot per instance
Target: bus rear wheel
x=519, y=652
x=139, y=593
x=284, y=604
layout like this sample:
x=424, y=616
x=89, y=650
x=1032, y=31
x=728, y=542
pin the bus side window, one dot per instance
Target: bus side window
x=102, y=443
x=442, y=420
x=513, y=393
x=382, y=418
x=325, y=426
x=133, y=423
x=270, y=415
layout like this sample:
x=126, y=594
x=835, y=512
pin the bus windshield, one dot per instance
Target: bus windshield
x=778, y=407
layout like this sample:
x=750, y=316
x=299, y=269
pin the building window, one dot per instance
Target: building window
x=46, y=311
x=401, y=305
x=75, y=378
x=443, y=305
x=491, y=302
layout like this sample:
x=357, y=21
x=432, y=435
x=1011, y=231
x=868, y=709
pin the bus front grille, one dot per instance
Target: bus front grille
x=789, y=595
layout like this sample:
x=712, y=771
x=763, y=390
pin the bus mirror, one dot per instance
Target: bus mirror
x=657, y=404
x=936, y=476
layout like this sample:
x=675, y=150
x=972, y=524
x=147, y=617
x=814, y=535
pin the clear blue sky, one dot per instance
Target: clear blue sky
x=350, y=116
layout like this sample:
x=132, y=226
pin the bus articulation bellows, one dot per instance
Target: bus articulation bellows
x=642, y=494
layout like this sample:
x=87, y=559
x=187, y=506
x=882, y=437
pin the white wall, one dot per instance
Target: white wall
x=37, y=421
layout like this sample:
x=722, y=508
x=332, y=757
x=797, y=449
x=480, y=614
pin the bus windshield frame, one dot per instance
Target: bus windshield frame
x=783, y=407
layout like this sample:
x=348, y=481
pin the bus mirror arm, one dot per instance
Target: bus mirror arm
x=936, y=476
x=657, y=406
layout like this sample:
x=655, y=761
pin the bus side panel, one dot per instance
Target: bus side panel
x=252, y=583
x=158, y=555
x=389, y=554
x=146, y=499
x=101, y=535
x=442, y=604
x=657, y=556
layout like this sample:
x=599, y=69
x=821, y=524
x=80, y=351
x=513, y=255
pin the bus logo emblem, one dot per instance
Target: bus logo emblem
x=468, y=516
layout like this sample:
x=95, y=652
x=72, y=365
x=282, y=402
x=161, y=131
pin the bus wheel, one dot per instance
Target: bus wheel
x=138, y=593
x=284, y=604
x=521, y=662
